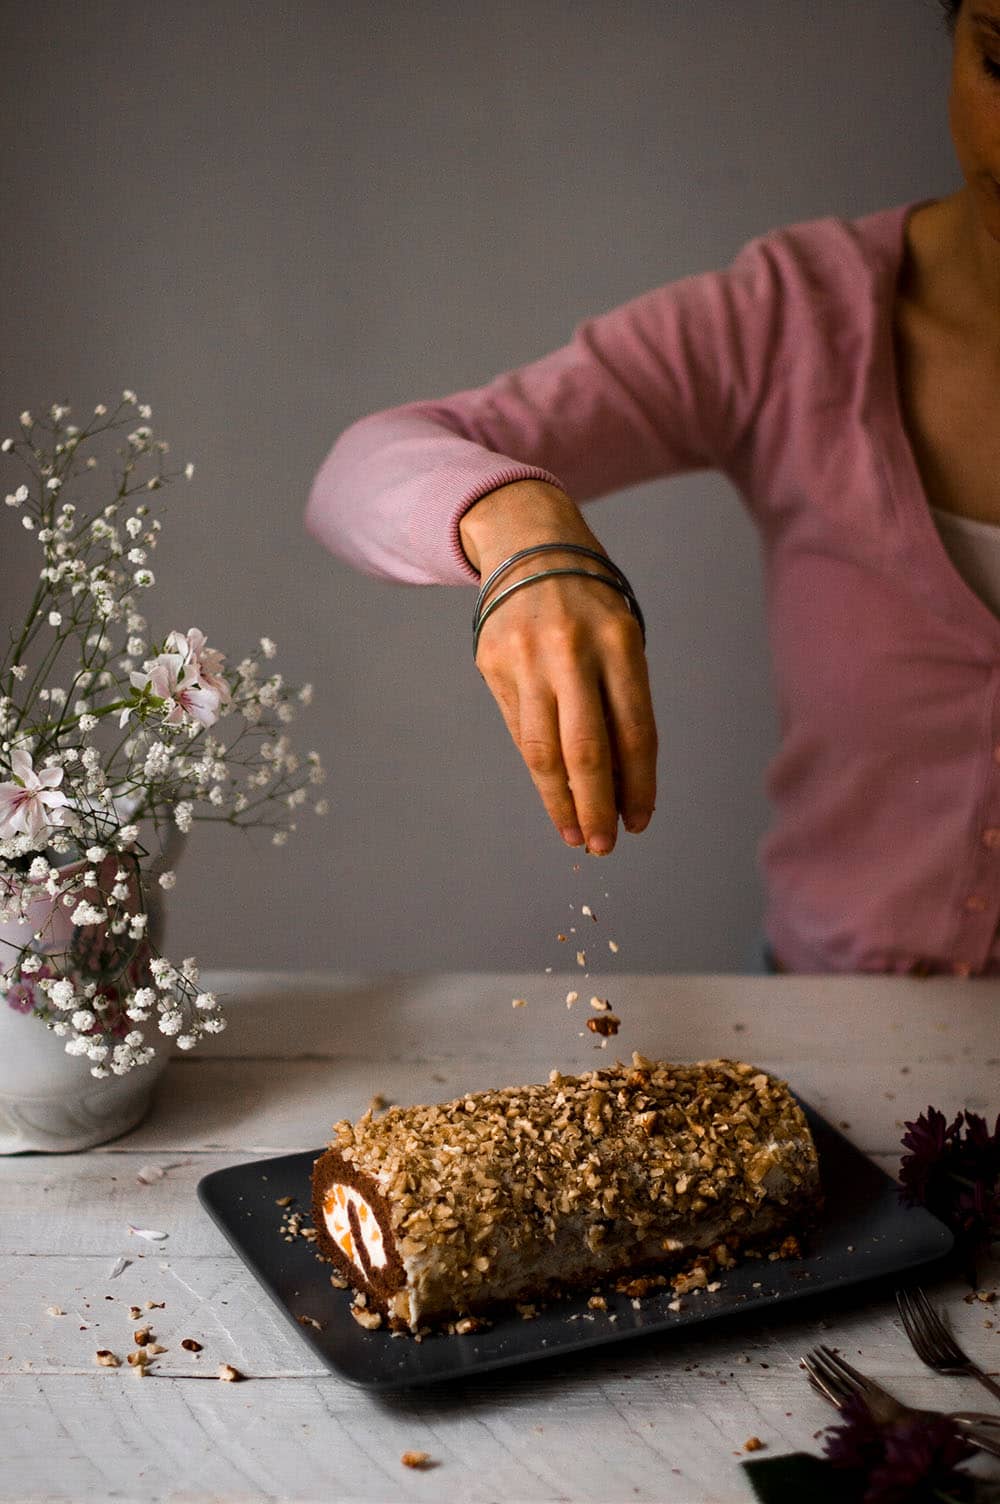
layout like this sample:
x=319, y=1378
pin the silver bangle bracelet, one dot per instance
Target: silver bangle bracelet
x=539, y=548
x=621, y=585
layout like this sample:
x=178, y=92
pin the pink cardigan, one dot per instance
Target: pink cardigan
x=779, y=372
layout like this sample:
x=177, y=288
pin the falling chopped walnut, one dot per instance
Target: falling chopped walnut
x=284, y=1201
x=518, y=1002
x=560, y=937
x=571, y=998
x=605, y=1023
x=417, y=1459
x=597, y=1303
x=581, y=958
x=613, y=945
x=586, y=909
x=601, y=1004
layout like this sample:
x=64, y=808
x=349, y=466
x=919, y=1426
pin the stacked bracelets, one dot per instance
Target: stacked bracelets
x=617, y=582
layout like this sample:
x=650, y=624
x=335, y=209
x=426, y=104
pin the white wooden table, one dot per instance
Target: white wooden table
x=652, y=1423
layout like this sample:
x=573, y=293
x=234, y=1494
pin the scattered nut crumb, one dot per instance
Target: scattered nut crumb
x=190, y=1345
x=581, y=958
x=586, y=909
x=613, y=945
x=310, y=1321
x=377, y=1103
x=518, y=1002
x=107, y=1359
x=139, y=1356
x=597, y=1303
x=228, y=1374
x=54, y=1311
x=134, y=1313
x=370, y=1320
x=339, y=1282
x=560, y=937
x=284, y=1201
x=153, y=1348
x=571, y=998
x=605, y=1024
x=417, y=1460
x=156, y=1305
x=601, y=1004
x=753, y=1444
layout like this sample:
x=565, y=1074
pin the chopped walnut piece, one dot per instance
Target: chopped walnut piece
x=228, y=1374
x=560, y=937
x=613, y=945
x=370, y=1320
x=153, y=1348
x=753, y=1444
x=284, y=1201
x=571, y=998
x=134, y=1313
x=142, y=1336
x=581, y=958
x=417, y=1460
x=54, y=1311
x=597, y=1303
x=138, y=1357
x=339, y=1282
x=106, y=1358
x=190, y=1345
x=310, y=1321
x=605, y=1024
x=518, y=1002
x=601, y=1004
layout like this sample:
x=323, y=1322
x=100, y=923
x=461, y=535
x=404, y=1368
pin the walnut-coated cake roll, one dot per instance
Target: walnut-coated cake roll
x=436, y=1213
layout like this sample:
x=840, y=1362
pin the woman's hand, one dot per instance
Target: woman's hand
x=564, y=660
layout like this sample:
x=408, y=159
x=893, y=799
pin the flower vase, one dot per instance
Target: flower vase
x=49, y=1100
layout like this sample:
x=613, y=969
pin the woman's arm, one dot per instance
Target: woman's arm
x=442, y=492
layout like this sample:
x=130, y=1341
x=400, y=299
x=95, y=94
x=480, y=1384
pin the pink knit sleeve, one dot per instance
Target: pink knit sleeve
x=665, y=383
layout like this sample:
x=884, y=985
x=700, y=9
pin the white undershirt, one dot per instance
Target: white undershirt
x=974, y=549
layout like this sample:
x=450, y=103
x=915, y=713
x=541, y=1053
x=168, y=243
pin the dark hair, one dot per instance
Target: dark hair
x=951, y=9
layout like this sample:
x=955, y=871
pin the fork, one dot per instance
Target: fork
x=836, y=1380
x=934, y=1343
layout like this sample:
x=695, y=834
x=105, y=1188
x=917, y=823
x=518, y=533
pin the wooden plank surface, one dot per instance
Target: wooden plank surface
x=660, y=1421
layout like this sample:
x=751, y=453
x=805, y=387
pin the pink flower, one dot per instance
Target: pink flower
x=170, y=679
x=205, y=663
x=33, y=801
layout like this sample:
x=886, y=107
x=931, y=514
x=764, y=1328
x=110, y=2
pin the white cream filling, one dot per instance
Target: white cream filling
x=338, y=1199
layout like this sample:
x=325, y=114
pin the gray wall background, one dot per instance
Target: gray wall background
x=270, y=219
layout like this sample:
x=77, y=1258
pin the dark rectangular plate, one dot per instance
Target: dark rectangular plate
x=865, y=1233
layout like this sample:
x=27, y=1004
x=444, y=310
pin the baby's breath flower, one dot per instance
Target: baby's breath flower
x=144, y=578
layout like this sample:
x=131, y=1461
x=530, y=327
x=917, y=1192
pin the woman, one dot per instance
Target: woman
x=845, y=376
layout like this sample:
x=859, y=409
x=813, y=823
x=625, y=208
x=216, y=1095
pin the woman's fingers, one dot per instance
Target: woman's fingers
x=586, y=755
x=538, y=741
x=632, y=730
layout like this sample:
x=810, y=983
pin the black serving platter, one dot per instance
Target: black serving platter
x=865, y=1233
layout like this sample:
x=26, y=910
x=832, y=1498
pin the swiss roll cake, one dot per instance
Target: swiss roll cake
x=435, y=1214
